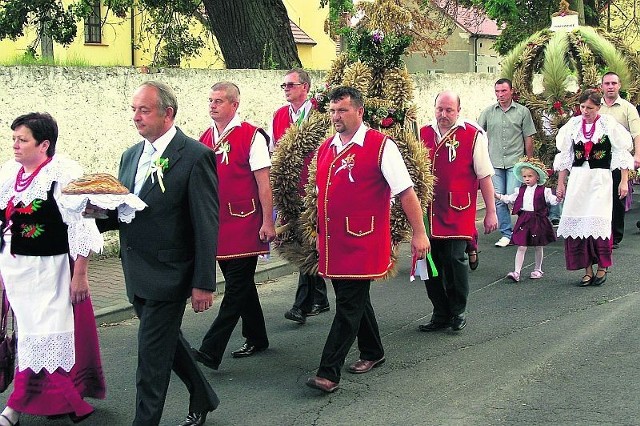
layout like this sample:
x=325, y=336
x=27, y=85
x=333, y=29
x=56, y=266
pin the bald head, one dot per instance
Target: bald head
x=447, y=110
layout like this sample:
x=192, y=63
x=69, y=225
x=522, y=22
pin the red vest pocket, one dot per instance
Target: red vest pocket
x=242, y=208
x=359, y=226
x=459, y=200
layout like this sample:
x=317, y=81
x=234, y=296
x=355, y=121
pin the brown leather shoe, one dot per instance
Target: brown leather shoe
x=325, y=385
x=363, y=365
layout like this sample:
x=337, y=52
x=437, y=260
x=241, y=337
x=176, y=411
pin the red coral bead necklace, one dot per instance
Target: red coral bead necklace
x=23, y=183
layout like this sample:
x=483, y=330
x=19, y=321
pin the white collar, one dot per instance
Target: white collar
x=162, y=142
x=235, y=122
x=306, y=107
x=358, y=138
x=460, y=122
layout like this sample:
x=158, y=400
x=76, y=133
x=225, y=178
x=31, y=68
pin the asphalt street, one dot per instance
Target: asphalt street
x=536, y=352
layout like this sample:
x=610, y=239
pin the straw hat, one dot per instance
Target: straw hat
x=534, y=164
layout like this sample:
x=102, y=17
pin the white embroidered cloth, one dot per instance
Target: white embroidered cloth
x=127, y=204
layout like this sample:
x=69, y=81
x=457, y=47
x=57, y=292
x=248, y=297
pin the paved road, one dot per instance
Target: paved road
x=536, y=352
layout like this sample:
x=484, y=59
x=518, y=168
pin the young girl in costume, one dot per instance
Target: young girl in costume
x=533, y=227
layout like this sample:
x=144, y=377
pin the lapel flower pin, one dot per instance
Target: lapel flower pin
x=224, y=148
x=158, y=167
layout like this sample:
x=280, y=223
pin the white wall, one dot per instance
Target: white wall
x=92, y=105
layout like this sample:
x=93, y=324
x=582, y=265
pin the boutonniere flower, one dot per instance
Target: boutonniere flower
x=224, y=149
x=453, y=145
x=158, y=167
x=348, y=163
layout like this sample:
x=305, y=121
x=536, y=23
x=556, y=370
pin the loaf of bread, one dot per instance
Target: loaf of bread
x=96, y=183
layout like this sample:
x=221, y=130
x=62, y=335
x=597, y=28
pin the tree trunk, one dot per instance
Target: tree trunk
x=253, y=33
x=578, y=6
x=46, y=42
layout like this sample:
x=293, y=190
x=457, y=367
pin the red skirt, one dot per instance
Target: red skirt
x=48, y=394
x=581, y=253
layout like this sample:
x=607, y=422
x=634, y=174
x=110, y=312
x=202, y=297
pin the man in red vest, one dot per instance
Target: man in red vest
x=246, y=224
x=311, y=295
x=460, y=162
x=358, y=170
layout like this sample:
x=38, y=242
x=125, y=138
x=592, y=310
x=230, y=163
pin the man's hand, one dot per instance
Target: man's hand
x=490, y=222
x=267, y=232
x=420, y=245
x=201, y=299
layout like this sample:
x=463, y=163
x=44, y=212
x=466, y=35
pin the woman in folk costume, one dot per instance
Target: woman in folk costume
x=533, y=227
x=43, y=265
x=590, y=145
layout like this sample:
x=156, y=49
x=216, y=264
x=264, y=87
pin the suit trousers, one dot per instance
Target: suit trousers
x=312, y=290
x=240, y=301
x=448, y=291
x=617, y=215
x=162, y=348
x=354, y=317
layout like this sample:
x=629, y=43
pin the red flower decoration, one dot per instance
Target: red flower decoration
x=314, y=103
x=557, y=105
x=387, y=122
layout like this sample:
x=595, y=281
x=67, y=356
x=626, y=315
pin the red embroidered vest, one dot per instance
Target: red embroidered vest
x=281, y=122
x=353, y=210
x=452, y=211
x=240, y=209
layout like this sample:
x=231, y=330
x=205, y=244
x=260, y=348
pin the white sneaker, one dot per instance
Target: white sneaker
x=503, y=242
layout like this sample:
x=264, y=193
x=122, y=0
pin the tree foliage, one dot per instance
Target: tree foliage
x=169, y=23
x=521, y=18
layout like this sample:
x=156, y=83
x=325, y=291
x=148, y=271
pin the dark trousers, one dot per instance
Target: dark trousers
x=312, y=290
x=240, y=301
x=162, y=348
x=448, y=291
x=354, y=318
x=617, y=216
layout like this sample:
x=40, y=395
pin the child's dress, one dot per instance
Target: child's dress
x=533, y=227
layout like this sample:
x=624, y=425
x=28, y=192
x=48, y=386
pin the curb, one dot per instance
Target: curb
x=266, y=271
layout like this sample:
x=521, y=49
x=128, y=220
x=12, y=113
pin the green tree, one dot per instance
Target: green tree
x=250, y=33
x=521, y=18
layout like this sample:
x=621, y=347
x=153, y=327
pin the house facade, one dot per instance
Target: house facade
x=107, y=40
x=467, y=49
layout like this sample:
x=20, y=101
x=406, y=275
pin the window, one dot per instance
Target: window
x=491, y=70
x=93, y=25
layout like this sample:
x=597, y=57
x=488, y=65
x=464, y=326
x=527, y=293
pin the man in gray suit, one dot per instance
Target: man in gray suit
x=168, y=250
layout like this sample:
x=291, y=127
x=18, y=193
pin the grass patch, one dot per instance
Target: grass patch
x=72, y=61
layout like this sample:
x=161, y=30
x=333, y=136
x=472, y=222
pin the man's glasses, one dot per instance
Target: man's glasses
x=290, y=85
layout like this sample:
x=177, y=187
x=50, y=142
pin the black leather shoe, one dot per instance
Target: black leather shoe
x=473, y=265
x=318, y=309
x=458, y=322
x=600, y=280
x=294, y=314
x=247, y=350
x=77, y=419
x=205, y=359
x=194, y=419
x=434, y=326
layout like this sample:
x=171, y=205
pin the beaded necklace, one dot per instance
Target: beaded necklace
x=588, y=134
x=23, y=183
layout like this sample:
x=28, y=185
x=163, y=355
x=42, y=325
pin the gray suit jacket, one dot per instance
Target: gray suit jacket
x=170, y=246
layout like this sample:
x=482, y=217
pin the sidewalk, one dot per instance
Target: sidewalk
x=109, y=296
